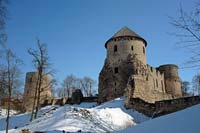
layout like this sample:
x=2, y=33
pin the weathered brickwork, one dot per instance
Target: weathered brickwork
x=125, y=72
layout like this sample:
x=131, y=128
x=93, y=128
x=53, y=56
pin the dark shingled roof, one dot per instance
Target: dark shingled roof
x=125, y=31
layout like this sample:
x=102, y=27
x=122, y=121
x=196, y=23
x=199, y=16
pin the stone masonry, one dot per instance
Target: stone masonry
x=125, y=72
x=29, y=90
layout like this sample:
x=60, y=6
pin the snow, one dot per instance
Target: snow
x=110, y=116
x=3, y=113
x=185, y=121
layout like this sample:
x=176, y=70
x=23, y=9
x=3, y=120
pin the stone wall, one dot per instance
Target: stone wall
x=162, y=107
x=15, y=104
x=66, y=100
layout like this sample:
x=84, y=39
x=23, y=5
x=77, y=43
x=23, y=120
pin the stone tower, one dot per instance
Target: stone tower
x=172, y=80
x=125, y=71
x=123, y=43
x=29, y=90
x=115, y=73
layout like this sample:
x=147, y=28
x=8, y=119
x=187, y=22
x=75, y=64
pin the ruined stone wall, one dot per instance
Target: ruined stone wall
x=162, y=107
x=15, y=104
x=29, y=91
x=135, y=79
x=148, y=86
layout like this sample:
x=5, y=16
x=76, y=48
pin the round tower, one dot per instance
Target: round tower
x=30, y=87
x=123, y=43
x=117, y=69
x=172, y=80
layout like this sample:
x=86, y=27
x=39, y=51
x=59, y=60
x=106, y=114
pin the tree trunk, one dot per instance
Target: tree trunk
x=39, y=92
x=35, y=97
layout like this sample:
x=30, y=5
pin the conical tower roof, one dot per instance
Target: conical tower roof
x=126, y=32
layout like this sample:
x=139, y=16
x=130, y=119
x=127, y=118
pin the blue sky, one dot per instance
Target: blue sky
x=76, y=31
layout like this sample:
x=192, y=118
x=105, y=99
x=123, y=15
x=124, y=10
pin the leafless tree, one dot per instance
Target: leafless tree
x=185, y=86
x=42, y=65
x=188, y=31
x=12, y=73
x=196, y=83
x=69, y=84
x=87, y=86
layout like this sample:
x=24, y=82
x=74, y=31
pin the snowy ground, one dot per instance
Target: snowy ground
x=185, y=121
x=3, y=113
x=110, y=116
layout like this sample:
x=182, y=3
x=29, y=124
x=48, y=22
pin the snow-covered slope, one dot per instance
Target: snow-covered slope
x=110, y=116
x=4, y=114
x=185, y=121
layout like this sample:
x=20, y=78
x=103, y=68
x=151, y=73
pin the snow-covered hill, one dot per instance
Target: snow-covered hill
x=185, y=121
x=86, y=117
x=110, y=116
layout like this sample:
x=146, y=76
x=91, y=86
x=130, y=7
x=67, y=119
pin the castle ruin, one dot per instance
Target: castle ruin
x=125, y=72
x=30, y=88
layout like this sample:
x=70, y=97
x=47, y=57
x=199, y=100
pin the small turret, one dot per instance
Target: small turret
x=172, y=80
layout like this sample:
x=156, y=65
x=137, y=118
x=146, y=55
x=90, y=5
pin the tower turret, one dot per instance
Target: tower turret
x=172, y=80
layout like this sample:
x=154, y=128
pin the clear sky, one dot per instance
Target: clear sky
x=76, y=31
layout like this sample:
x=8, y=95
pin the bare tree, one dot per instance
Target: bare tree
x=3, y=82
x=42, y=65
x=12, y=73
x=68, y=85
x=185, y=86
x=188, y=31
x=71, y=83
x=87, y=86
x=196, y=84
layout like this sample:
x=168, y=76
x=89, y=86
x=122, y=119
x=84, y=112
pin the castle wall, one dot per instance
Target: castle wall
x=162, y=107
x=29, y=91
x=149, y=87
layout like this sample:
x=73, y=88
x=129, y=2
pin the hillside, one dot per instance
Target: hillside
x=110, y=116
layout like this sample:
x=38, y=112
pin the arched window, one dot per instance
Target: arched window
x=115, y=48
x=132, y=48
x=143, y=50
